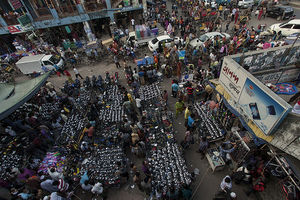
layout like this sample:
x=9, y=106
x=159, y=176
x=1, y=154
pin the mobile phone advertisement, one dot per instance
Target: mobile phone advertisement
x=260, y=107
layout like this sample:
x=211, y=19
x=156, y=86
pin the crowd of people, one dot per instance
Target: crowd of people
x=34, y=131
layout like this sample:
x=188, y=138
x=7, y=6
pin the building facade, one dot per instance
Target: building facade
x=17, y=16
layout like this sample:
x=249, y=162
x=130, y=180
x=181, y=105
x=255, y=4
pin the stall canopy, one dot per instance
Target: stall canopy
x=14, y=95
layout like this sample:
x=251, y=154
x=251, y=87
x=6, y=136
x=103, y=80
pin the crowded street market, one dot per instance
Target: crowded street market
x=196, y=100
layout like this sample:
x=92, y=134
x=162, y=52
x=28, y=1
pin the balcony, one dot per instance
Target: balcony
x=11, y=18
x=93, y=5
x=66, y=10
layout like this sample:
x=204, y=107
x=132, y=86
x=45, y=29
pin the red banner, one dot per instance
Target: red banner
x=16, y=4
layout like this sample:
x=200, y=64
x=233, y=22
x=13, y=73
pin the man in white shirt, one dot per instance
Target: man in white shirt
x=226, y=184
x=132, y=23
x=77, y=73
x=54, y=174
x=97, y=188
x=138, y=104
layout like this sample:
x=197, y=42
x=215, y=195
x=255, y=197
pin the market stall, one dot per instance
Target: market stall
x=208, y=125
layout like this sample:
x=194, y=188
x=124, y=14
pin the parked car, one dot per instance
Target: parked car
x=246, y=3
x=154, y=44
x=286, y=28
x=280, y=12
x=211, y=3
x=197, y=42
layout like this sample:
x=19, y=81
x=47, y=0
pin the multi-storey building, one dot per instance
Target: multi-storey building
x=70, y=17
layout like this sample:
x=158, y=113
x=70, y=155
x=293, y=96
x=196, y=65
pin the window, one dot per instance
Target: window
x=287, y=26
x=47, y=63
x=54, y=60
x=297, y=26
x=203, y=38
x=154, y=40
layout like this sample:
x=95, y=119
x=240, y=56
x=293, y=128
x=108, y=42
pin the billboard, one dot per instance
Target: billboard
x=261, y=108
x=232, y=78
x=252, y=99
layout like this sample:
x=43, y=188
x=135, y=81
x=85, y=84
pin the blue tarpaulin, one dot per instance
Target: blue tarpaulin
x=181, y=54
x=141, y=62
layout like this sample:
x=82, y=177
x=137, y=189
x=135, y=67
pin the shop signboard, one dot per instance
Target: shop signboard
x=232, y=78
x=251, y=98
x=15, y=29
x=16, y=4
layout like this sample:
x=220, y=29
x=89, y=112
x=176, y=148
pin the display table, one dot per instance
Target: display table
x=215, y=160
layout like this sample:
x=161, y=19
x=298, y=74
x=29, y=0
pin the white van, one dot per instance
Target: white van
x=31, y=64
x=286, y=28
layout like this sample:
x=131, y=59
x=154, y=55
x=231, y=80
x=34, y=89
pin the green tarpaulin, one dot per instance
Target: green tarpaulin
x=13, y=96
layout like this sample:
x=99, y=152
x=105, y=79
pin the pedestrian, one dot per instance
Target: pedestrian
x=186, y=192
x=203, y=147
x=146, y=185
x=165, y=97
x=191, y=121
x=233, y=14
x=50, y=185
x=97, y=188
x=54, y=174
x=138, y=104
x=236, y=16
x=190, y=93
x=77, y=73
x=227, y=26
x=187, y=113
x=226, y=184
x=86, y=186
x=175, y=89
x=260, y=13
x=137, y=180
x=116, y=60
x=179, y=107
x=133, y=24
x=67, y=73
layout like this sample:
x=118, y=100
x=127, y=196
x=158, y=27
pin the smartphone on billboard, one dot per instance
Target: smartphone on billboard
x=254, y=111
x=271, y=110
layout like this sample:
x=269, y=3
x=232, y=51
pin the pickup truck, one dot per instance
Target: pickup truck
x=35, y=63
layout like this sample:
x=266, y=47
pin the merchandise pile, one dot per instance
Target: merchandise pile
x=47, y=110
x=83, y=100
x=148, y=92
x=168, y=168
x=102, y=164
x=167, y=165
x=209, y=127
x=52, y=159
x=112, y=101
x=72, y=128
